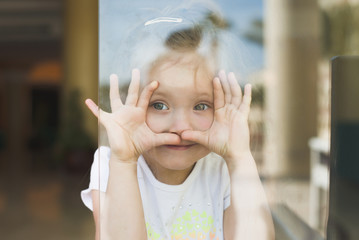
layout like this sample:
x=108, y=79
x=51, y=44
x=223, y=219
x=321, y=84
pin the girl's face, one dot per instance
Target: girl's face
x=183, y=101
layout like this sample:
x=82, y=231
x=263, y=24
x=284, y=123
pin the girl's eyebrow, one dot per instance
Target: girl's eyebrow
x=165, y=93
x=159, y=93
x=205, y=94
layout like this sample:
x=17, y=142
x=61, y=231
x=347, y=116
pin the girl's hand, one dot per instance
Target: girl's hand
x=128, y=134
x=229, y=133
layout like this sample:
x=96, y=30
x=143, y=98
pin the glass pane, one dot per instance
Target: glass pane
x=183, y=46
x=283, y=49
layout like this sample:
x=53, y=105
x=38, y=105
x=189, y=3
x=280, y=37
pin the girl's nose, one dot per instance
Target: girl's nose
x=180, y=122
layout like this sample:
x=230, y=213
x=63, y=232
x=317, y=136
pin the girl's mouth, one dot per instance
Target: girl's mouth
x=179, y=147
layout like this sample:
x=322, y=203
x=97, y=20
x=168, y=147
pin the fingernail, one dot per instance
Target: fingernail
x=154, y=83
x=248, y=86
x=113, y=76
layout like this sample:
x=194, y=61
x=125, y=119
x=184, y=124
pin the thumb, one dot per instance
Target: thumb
x=200, y=137
x=166, y=139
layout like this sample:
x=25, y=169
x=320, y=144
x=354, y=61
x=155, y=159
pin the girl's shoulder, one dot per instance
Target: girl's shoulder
x=214, y=160
x=214, y=165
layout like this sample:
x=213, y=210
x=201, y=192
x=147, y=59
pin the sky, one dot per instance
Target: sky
x=116, y=17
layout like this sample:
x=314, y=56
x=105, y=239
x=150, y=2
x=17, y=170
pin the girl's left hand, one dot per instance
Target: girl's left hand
x=229, y=134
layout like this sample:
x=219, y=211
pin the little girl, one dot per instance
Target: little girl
x=179, y=164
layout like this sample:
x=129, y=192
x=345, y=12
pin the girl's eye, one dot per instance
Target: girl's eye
x=160, y=106
x=201, y=107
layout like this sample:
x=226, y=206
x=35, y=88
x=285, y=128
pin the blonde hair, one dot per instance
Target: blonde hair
x=200, y=28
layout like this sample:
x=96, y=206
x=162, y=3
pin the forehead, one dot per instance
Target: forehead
x=182, y=69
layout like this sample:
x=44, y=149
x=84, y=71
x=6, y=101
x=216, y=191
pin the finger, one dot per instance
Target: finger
x=146, y=94
x=101, y=115
x=236, y=90
x=166, y=139
x=93, y=107
x=218, y=94
x=132, y=95
x=225, y=85
x=247, y=98
x=200, y=137
x=115, y=99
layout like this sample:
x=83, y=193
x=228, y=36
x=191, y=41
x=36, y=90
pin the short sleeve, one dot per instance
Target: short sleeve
x=99, y=175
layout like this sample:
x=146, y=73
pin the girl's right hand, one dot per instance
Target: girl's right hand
x=128, y=134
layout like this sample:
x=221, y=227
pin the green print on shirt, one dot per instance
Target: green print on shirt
x=193, y=225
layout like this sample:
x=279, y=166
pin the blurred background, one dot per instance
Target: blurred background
x=49, y=64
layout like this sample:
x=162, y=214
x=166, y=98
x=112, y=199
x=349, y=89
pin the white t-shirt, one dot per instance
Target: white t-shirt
x=191, y=210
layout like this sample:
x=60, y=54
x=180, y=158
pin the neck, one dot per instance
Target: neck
x=169, y=176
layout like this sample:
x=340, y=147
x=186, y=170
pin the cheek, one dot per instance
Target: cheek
x=204, y=122
x=155, y=122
